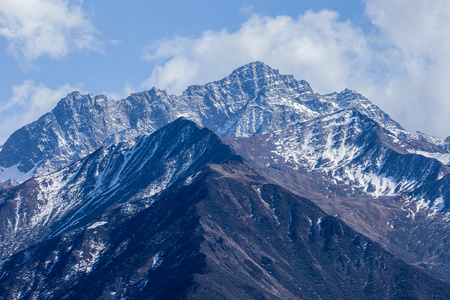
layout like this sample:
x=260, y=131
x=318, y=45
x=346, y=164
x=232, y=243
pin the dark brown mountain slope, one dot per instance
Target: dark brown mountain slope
x=221, y=232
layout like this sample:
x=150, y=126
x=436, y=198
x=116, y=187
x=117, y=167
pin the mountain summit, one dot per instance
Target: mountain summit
x=253, y=100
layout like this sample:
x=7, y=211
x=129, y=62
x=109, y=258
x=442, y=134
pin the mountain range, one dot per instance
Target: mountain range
x=251, y=187
x=253, y=100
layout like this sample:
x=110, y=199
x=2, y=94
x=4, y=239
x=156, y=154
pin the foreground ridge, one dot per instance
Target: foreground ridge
x=220, y=230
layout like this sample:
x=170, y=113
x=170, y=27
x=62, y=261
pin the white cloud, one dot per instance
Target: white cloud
x=401, y=63
x=417, y=93
x=35, y=28
x=414, y=26
x=27, y=102
x=315, y=46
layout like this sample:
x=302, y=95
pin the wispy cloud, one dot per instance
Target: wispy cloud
x=126, y=91
x=35, y=28
x=246, y=9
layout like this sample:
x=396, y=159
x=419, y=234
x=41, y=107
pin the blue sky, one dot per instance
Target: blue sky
x=394, y=53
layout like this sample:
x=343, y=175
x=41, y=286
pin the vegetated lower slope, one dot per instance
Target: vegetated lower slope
x=220, y=232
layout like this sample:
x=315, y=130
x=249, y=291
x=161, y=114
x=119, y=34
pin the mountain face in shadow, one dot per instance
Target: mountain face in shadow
x=48, y=205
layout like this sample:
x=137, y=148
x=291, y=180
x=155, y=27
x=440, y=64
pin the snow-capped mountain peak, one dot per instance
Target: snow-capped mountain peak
x=253, y=100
